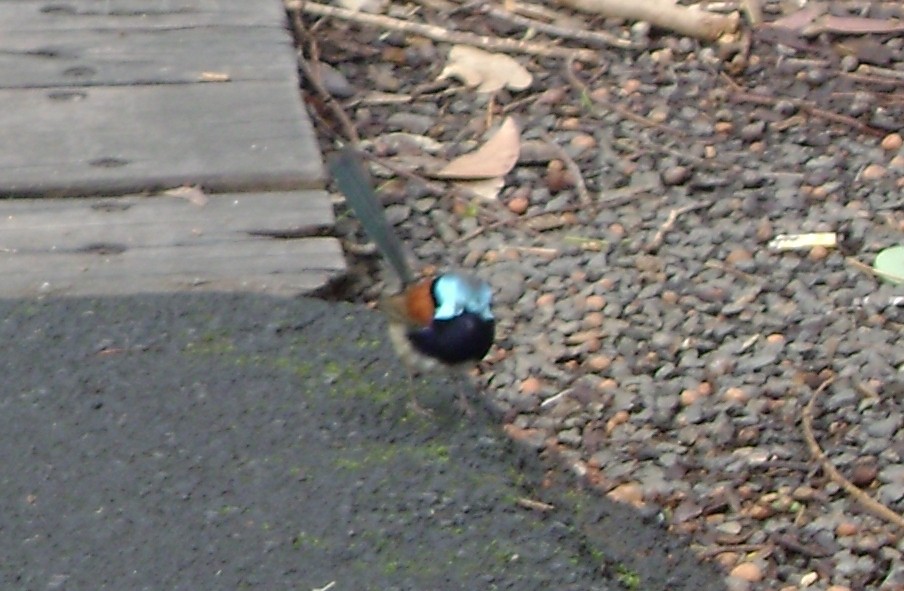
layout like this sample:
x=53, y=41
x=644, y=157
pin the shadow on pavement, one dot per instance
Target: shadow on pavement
x=236, y=441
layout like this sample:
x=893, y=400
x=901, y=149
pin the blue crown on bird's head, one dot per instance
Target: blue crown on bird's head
x=456, y=293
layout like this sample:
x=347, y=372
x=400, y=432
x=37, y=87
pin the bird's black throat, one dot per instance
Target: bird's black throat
x=466, y=337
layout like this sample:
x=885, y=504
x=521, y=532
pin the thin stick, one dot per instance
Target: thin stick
x=599, y=38
x=434, y=187
x=615, y=197
x=669, y=223
x=444, y=35
x=535, y=505
x=311, y=71
x=716, y=550
x=506, y=221
x=725, y=268
x=743, y=96
x=572, y=167
x=870, y=504
x=582, y=89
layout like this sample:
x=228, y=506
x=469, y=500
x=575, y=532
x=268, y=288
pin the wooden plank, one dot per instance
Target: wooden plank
x=238, y=136
x=164, y=244
x=98, y=57
x=276, y=267
x=106, y=97
x=123, y=15
x=74, y=225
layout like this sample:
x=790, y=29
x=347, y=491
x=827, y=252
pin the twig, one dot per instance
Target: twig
x=669, y=223
x=615, y=197
x=535, y=505
x=727, y=269
x=598, y=38
x=897, y=76
x=789, y=543
x=716, y=550
x=870, y=504
x=444, y=35
x=743, y=96
x=311, y=71
x=862, y=266
x=870, y=79
x=662, y=13
x=572, y=167
x=504, y=222
x=536, y=250
x=582, y=89
x=432, y=186
x=612, y=198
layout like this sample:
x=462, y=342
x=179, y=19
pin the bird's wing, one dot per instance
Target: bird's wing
x=353, y=180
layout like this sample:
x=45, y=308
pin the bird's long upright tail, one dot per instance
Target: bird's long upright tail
x=354, y=182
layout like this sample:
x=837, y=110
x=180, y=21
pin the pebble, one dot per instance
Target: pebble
x=873, y=172
x=582, y=142
x=518, y=204
x=629, y=492
x=411, y=122
x=530, y=386
x=747, y=571
x=738, y=255
x=753, y=131
x=892, y=142
x=675, y=175
x=846, y=528
x=735, y=394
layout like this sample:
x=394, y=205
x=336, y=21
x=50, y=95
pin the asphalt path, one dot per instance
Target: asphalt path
x=245, y=442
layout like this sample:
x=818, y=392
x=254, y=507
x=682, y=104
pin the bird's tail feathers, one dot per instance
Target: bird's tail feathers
x=353, y=180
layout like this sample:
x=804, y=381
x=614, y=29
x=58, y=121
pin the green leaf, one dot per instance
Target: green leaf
x=890, y=264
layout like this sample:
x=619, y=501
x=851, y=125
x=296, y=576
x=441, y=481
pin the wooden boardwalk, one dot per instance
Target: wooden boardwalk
x=113, y=101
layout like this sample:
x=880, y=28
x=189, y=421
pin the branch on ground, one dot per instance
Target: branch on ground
x=437, y=33
x=664, y=14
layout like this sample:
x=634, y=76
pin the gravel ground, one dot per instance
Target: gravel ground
x=650, y=339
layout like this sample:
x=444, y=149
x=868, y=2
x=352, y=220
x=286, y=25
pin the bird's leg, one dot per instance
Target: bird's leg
x=413, y=403
x=464, y=404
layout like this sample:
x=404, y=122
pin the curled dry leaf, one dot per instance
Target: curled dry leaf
x=486, y=71
x=487, y=189
x=495, y=158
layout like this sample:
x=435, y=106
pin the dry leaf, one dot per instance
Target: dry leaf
x=852, y=25
x=487, y=189
x=488, y=72
x=193, y=194
x=796, y=21
x=495, y=158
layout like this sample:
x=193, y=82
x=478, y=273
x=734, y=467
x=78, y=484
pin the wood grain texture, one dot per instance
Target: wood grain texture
x=163, y=244
x=129, y=97
x=108, y=57
x=240, y=136
x=116, y=96
x=122, y=15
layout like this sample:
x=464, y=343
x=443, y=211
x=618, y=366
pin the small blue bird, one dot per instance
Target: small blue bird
x=435, y=321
